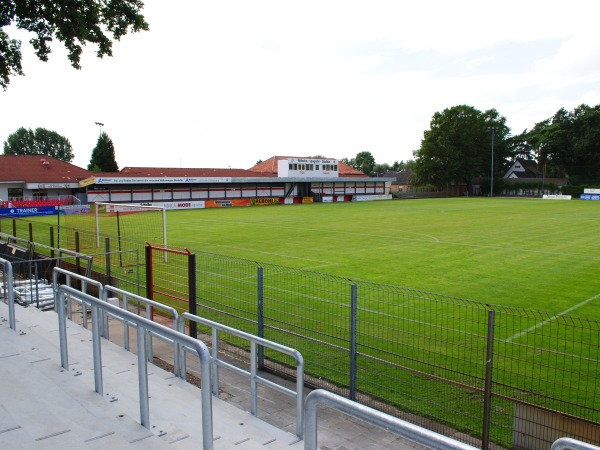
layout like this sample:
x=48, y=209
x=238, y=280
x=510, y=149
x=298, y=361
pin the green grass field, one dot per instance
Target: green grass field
x=529, y=253
x=524, y=253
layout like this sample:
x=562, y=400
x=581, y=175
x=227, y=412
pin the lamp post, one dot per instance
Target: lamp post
x=492, y=167
x=100, y=124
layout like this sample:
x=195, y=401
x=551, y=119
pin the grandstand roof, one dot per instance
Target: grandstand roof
x=45, y=169
x=39, y=169
x=269, y=167
x=156, y=172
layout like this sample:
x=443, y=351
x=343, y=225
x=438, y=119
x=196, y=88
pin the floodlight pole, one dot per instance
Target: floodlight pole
x=492, y=167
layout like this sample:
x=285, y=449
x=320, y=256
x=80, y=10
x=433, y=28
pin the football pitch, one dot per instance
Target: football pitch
x=526, y=253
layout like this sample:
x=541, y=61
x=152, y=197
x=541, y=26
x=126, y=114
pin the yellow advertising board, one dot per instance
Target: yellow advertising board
x=263, y=201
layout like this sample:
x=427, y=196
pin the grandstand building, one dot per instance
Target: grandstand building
x=278, y=180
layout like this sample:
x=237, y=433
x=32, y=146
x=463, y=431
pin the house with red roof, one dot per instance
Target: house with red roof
x=39, y=178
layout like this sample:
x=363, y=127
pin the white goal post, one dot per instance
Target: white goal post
x=148, y=223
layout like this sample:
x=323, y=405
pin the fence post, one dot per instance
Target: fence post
x=107, y=252
x=14, y=221
x=52, y=246
x=31, y=232
x=149, y=280
x=487, y=396
x=261, y=318
x=192, y=293
x=353, y=307
x=77, y=260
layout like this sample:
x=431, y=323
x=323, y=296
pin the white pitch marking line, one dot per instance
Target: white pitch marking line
x=541, y=324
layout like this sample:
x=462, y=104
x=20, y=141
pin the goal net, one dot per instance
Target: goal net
x=125, y=225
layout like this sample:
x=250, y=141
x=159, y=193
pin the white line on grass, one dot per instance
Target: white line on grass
x=541, y=324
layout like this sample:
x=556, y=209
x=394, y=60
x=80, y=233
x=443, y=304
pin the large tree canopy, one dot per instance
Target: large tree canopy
x=72, y=22
x=458, y=146
x=103, y=155
x=364, y=161
x=39, y=142
x=569, y=143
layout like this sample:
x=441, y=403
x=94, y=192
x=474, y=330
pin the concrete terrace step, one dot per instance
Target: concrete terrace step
x=42, y=406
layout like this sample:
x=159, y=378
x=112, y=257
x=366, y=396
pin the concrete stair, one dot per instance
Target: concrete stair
x=43, y=406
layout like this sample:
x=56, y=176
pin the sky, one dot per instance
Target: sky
x=218, y=84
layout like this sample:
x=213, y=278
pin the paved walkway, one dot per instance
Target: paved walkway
x=43, y=406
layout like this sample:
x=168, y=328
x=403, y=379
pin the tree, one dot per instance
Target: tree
x=381, y=169
x=457, y=147
x=364, y=161
x=566, y=144
x=74, y=23
x=39, y=142
x=103, y=156
x=400, y=166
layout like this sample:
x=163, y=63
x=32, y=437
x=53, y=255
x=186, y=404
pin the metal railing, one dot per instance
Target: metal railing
x=143, y=326
x=255, y=379
x=572, y=444
x=398, y=426
x=149, y=305
x=7, y=281
x=85, y=283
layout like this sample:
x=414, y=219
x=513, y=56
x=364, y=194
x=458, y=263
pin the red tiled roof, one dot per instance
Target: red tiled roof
x=270, y=167
x=156, y=172
x=39, y=169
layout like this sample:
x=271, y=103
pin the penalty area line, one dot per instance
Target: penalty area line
x=541, y=324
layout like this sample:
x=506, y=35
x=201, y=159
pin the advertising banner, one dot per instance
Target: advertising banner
x=226, y=203
x=34, y=211
x=556, y=197
x=368, y=198
x=177, y=205
x=74, y=209
x=263, y=201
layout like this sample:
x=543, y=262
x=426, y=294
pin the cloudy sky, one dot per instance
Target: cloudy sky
x=228, y=83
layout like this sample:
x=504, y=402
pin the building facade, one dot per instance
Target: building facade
x=278, y=180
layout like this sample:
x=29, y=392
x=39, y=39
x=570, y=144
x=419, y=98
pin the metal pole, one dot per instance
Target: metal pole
x=96, y=348
x=261, y=318
x=492, y=170
x=487, y=395
x=107, y=253
x=143, y=377
x=10, y=296
x=192, y=293
x=353, y=308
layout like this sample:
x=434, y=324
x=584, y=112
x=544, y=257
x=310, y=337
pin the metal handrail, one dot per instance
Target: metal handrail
x=9, y=294
x=400, y=427
x=85, y=281
x=143, y=326
x=254, y=377
x=568, y=443
x=127, y=296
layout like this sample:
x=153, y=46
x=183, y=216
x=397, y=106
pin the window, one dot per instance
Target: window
x=15, y=193
x=40, y=194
